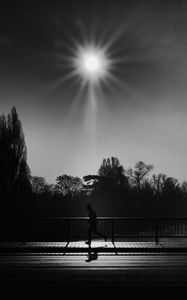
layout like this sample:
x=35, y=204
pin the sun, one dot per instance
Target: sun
x=91, y=64
x=92, y=61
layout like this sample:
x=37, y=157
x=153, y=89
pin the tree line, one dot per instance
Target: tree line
x=114, y=190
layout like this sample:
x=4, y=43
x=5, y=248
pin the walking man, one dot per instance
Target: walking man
x=93, y=225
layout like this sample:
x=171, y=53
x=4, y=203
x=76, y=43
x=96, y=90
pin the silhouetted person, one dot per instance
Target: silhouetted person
x=93, y=225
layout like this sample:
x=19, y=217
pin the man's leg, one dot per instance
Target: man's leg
x=89, y=236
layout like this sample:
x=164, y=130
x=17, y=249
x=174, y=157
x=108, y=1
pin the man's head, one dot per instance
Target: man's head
x=89, y=207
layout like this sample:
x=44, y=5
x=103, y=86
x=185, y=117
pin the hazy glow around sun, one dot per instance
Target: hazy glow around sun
x=91, y=60
x=91, y=64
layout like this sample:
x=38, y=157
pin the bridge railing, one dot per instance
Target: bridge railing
x=76, y=228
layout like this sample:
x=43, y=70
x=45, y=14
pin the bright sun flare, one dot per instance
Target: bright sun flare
x=91, y=64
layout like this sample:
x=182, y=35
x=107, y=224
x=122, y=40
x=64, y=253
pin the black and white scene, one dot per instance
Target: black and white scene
x=93, y=146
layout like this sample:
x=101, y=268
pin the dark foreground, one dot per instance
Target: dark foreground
x=130, y=274
x=160, y=273
x=94, y=271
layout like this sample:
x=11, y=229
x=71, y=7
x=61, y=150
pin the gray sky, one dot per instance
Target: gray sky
x=142, y=116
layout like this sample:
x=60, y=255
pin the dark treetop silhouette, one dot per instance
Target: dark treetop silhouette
x=14, y=171
x=114, y=190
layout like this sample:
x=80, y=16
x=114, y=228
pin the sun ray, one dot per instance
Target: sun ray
x=92, y=63
x=61, y=80
x=76, y=105
x=109, y=40
x=122, y=84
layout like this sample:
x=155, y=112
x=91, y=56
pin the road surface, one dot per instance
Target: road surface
x=79, y=270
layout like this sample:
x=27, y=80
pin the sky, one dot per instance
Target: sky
x=137, y=113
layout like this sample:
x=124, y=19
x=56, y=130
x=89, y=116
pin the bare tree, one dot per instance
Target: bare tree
x=163, y=184
x=158, y=182
x=138, y=175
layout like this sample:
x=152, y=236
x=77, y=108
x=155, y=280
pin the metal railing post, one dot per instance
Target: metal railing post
x=156, y=231
x=25, y=231
x=68, y=230
x=112, y=230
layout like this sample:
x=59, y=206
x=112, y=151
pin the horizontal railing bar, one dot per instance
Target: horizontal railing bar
x=99, y=218
x=68, y=228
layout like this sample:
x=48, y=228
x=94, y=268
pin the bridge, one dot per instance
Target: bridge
x=131, y=258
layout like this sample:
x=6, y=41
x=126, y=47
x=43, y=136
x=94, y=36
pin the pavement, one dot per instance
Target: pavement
x=119, y=246
x=152, y=275
x=129, y=265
